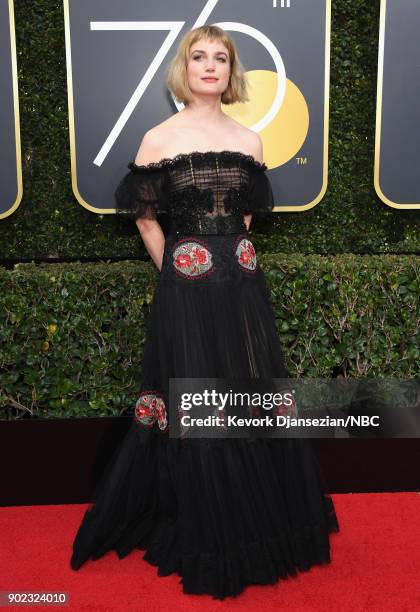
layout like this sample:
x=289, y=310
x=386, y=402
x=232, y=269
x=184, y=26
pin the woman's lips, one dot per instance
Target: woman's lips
x=210, y=79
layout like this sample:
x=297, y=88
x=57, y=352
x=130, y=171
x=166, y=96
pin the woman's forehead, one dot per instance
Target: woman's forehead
x=205, y=42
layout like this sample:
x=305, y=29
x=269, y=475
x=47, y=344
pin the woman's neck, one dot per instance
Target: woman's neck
x=204, y=113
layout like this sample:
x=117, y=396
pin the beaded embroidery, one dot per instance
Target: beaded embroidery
x=238, y=200
x=245, y=253
x=150, y=408
x=189, y=207
x=192, y=259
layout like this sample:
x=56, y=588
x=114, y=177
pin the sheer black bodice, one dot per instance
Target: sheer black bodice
x=202, y=192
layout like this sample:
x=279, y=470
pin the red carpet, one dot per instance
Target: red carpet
x=375, y=564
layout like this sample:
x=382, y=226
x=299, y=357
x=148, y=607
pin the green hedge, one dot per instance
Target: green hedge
x=350, y=218
x=73, y=334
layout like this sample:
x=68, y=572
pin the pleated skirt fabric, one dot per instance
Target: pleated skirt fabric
x=221, y=513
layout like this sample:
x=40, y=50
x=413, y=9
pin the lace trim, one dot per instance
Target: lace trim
x=202, y=156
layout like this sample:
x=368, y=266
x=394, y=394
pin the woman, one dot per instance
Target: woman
x=222, y=513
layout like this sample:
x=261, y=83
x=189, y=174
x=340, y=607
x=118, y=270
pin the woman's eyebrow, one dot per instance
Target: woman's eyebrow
x=202, y=51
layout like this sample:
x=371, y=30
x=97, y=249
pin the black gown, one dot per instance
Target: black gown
x=222, y=513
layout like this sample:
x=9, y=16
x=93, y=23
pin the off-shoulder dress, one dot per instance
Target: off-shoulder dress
x=221, y=513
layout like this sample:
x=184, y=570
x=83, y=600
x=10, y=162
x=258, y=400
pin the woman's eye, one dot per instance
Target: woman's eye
x=197, y=57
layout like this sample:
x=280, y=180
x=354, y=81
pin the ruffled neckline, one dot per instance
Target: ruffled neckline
x=199, y=156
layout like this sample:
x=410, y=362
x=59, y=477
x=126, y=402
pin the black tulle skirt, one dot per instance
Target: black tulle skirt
x=221, y=513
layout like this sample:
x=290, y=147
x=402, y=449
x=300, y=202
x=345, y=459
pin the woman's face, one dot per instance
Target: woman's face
x=208, y=67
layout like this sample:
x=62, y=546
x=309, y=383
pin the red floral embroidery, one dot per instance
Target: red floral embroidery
x=160, y=412
x=183, y=260
x=201, y=256
x=192, y=258
x=246, y=255
x=286, y=409
x=150, y=408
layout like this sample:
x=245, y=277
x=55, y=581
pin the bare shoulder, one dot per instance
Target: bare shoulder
x=151, y=146
x=254, y=144
x=163, y=139
x=249, y=141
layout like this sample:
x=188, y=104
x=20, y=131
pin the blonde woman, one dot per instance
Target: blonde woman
x=221, y=512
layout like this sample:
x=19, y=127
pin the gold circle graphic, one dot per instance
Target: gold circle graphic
x=286, y=133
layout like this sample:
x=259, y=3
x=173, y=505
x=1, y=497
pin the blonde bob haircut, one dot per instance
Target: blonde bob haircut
x=176, y=76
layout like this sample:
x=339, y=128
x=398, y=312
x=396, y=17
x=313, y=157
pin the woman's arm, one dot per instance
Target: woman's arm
x=258, y=154
x=247, y=220
x=150, y=231
x=153, y=238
